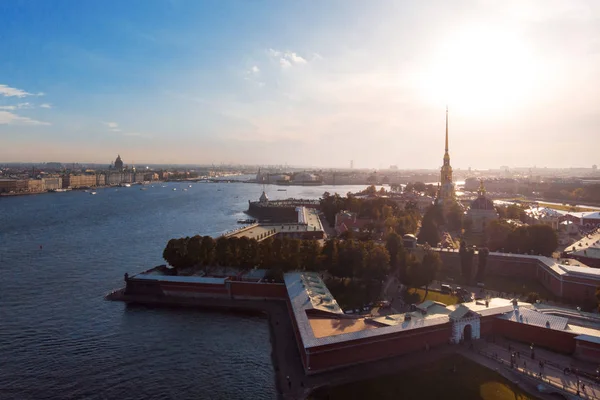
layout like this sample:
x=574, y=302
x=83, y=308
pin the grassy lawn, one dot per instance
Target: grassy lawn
x=434, y=381
x=412, y=294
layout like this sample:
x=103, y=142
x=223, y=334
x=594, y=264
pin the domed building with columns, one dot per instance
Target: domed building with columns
x=482, y=211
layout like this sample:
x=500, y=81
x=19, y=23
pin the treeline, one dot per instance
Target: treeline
x=386, y=215
x=534, y=239
x=573, y=192
x=345, y=259
x=353, y=259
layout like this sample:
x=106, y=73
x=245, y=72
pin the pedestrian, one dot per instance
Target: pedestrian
x=525, y=364
x=519, y=355
x=583, y=387
x=509, y=347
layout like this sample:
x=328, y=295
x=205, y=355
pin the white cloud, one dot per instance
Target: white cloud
x=8, y=107
x=255, y=69
x=273, y=53
x=8, y=91
x=24, y=105
x=286, y=59
x=284, y=63
x=295, y=58
x=113, y=126
x=8, y=118
x=46, y=105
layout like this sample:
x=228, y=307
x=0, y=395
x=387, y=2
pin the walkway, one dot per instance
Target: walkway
x=550, y=372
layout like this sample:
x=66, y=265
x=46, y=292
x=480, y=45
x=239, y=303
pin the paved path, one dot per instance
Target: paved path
x=552, y=372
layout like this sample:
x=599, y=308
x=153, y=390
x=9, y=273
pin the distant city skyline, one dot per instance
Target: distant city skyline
x=274, y=83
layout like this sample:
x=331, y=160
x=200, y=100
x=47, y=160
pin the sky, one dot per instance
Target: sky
x=309, y=83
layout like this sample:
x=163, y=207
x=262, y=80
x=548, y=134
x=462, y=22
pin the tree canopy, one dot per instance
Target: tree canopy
x=533, y=239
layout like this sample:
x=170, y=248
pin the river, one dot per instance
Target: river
x=60, y=253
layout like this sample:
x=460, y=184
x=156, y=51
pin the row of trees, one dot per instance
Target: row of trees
x=204, y=252
x=534, y=239
x=353, y=259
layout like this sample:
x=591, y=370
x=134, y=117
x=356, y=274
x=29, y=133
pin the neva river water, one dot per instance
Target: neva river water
x=60, y=339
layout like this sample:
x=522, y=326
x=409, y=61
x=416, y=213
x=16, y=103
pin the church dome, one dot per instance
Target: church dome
x=482, y=203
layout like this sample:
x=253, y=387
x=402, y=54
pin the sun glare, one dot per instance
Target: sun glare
x=480, y=71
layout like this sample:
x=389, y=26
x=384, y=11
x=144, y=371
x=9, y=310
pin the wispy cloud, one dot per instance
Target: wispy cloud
x=46, y=105
x=286, y=59
x=8, y=91
x=20, y=106
x=9, y=118
x=115, y=128
x=253, y=75
x=112, y=126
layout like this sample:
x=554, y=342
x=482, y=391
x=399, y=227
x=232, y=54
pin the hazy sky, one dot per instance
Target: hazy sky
x=302, y=82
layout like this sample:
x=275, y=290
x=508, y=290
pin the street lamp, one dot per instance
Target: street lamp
x=532, y=352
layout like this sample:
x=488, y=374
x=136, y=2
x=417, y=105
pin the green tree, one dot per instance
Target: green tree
x=432, y=220
x=377, y=263
x=497, y=232
x=291, y=253
x=482, y=263
x=266, y=256
x=248, y=252
x=429, y=268
x=455, y=217
x=330, y=254
x=223, y=254
x=310, y=255
x=194, y=250
x=466, y=261
x=393, y=244
x=207, y=249
x=175, y=253
x=419, y=187
x=543, y=240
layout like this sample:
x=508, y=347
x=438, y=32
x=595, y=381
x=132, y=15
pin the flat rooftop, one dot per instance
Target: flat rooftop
x=323, y=327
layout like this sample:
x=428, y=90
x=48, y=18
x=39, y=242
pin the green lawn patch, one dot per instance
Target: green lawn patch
x=434, y=381
x=416, y=296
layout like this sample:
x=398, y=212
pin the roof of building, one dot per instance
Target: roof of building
x=536, y=318
x=588, y=338
x=306, y=290
x=482, y=203
x=494, y=306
